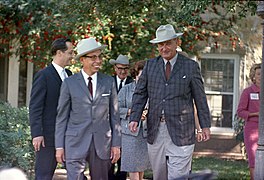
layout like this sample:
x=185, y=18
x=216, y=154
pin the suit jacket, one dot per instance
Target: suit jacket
x=81, y=118
x=129, y=79
x=174, y=96
x=43, y=103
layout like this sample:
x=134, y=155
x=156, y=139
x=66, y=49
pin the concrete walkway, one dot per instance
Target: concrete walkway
x=60, y=174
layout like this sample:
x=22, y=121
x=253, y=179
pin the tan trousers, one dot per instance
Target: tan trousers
x=169, y=161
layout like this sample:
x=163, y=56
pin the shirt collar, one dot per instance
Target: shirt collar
x=172, y=61
x=119, y=80
x=85, y=76
x=58, y=68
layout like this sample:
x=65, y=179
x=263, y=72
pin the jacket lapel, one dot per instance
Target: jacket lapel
x=99, y=86
x=55, y=74
x=161, y=68
x=176, y=66
x=81, y=82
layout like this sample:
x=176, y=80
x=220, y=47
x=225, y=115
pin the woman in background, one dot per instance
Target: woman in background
x=248, y=109
x=134, y=156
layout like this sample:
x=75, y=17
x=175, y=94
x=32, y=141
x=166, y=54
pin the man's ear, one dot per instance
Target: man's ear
x=59, y=52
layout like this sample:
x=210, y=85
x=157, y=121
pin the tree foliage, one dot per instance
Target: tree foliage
x=126, y=26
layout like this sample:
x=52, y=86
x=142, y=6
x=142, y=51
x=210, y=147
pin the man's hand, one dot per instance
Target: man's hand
x=206, y=134
x=115, y=154
x=133, y=126
x=60, y=156
x=37, y=142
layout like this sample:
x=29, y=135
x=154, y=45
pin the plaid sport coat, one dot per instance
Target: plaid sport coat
x=175, y=96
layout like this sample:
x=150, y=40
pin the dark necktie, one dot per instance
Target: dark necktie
x=120, y=85
x=168, y=70
x=90, y=86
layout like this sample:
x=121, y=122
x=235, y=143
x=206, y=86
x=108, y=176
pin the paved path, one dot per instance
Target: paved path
x=60, y=174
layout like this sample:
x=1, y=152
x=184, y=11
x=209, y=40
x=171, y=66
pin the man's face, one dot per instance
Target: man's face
x=167, y=49
x=92, y=62
x=67, y=56
x=122, y=70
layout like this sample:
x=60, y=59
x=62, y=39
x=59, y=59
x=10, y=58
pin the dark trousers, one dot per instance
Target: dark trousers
x=45, y=164
x=119, y=175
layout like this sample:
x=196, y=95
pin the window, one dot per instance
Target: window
x=219, y=76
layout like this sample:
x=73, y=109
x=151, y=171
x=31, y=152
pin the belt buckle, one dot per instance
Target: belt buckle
x=162, y=118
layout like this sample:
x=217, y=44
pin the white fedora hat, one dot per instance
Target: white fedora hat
x=165, y=33
x=121, y=59
x=87, y=45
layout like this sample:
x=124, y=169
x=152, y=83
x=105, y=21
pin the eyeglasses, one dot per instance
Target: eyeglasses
x=94, y=57
x=120, y=68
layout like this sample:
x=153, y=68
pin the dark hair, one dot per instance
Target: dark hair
x=59, y=44
x=139, y=65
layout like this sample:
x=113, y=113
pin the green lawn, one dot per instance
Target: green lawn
x=226, y=169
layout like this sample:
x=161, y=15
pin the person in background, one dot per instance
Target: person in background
x=134, y=156
x=170, y=83
x=88, y=122
x=248, y=109
x=43, y=107
x=121, y=67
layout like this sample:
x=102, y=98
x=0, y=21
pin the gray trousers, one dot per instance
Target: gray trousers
x=169, y=161
x=98, y=167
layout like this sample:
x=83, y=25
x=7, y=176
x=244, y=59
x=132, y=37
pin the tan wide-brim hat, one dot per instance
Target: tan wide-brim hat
x=87, y=45
x=165, y=33
x=121, y=59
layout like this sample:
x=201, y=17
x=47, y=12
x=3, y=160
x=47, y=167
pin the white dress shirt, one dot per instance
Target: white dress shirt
x=94, y=80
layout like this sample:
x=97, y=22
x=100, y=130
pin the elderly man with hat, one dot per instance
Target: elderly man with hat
x=88, y=123
x=121, y=66
x=170, y=83
x=121, y=78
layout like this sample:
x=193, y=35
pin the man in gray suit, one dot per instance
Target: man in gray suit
x=171, y=83
x=88, y=122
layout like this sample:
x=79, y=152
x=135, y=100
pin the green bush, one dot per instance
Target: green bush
x=239, y=128
x=15, y=140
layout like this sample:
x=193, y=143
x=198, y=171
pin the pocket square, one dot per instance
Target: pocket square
x=105, y=94
x=183, y=77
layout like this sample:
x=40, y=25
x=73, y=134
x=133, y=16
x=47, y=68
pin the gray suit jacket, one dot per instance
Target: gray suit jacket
x=81, y=118
x=174, y=96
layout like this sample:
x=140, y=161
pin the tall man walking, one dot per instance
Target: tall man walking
x=170, y=83
x=43, y=107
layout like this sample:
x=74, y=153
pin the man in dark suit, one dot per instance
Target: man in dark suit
x=88, y=123
x=170, y=83
x=43, y=107
x=121, y=67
